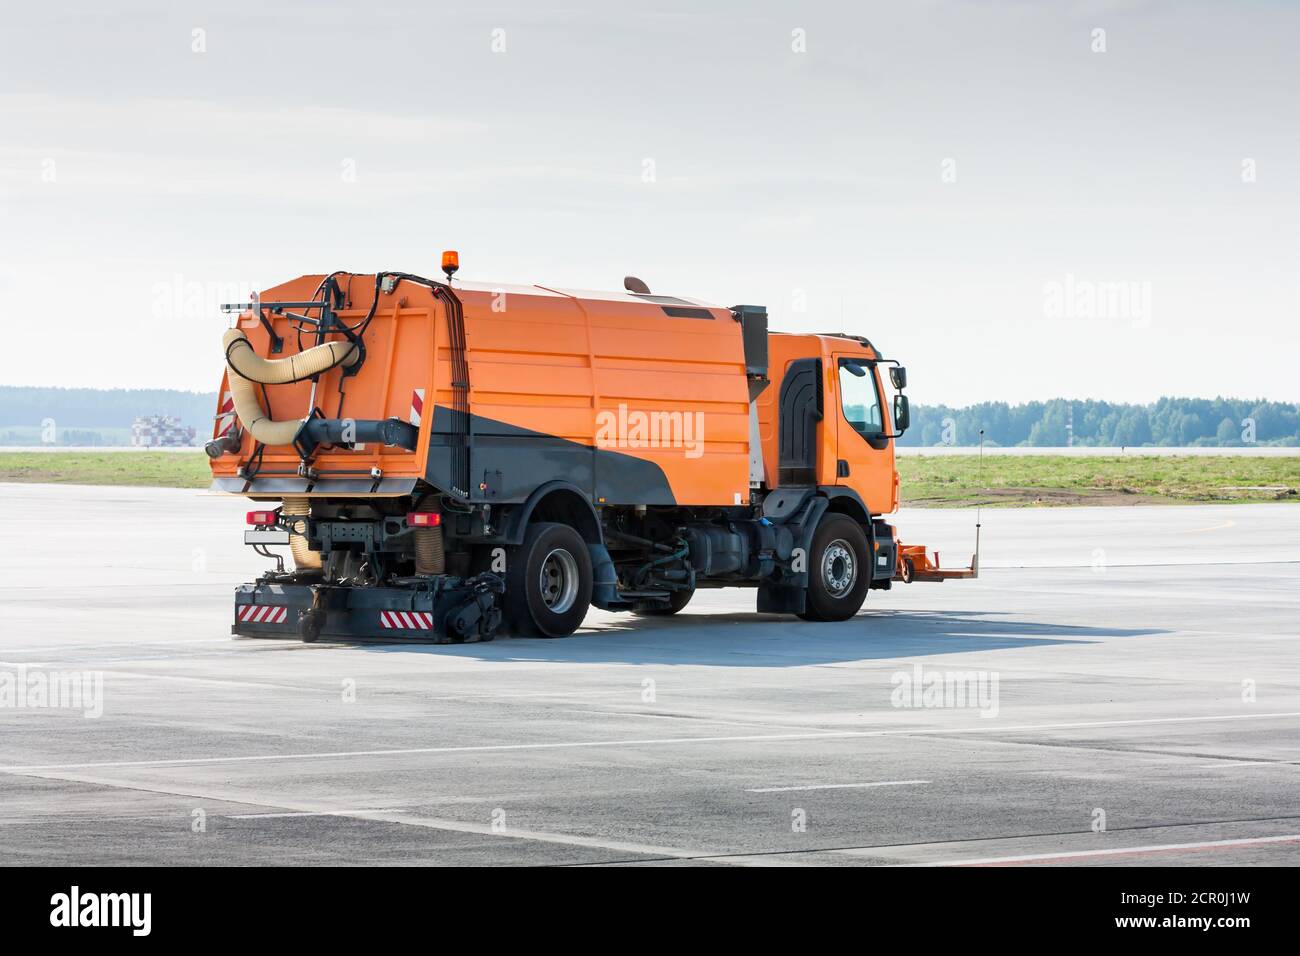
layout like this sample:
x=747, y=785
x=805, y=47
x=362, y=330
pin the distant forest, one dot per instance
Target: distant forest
x=85, y=416
x=1170, y=421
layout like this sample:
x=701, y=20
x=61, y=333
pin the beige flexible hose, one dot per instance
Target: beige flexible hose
x=248, y=408
x=242, y=358
x=297, y=510
x=245, y=368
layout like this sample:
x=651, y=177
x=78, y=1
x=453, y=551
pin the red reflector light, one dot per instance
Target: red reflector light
x=260, y=517
x=423, y=519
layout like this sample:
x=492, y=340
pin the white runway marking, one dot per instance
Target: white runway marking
x=840, y=786
x=644, y=742
x=312, y=813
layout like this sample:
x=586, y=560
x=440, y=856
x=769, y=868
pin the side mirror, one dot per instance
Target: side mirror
x=902, y=413
x=898, y=375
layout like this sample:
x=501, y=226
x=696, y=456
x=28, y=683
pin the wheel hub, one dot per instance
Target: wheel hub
x=559, y=580
x=839, y=569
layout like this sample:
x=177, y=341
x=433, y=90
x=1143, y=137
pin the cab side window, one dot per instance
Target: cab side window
x=860, y=399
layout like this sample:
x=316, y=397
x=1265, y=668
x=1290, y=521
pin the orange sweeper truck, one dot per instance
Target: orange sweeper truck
x=444, y=459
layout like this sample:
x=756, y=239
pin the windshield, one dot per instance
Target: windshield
x=859, y=398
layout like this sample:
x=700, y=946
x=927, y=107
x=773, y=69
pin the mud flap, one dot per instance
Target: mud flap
x=782, y=599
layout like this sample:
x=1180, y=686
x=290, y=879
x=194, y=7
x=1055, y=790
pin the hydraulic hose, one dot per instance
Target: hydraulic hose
x=297, y=510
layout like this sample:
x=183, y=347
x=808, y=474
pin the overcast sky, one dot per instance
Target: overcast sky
x=1013, y=203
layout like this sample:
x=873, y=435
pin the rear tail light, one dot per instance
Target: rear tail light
x=260, y=517
x=423, y=519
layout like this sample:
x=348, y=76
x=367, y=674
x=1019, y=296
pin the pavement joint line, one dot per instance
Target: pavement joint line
x=1075, y=747
x=184, y=678
x=867, y=850
x=404, y=818
x=1114, y=851
x=697, y=718
x=128, y=644
x=840, y=786
x=642, y=742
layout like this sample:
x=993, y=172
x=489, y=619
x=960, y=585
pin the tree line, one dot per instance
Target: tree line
x=1179, y=422
x=101, y=416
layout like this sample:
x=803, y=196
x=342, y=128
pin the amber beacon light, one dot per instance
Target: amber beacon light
x=450, y=262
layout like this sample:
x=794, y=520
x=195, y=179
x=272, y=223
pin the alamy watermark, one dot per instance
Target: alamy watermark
x=27, y=688
x=630, y=428
x=128, y=910
x=1075, y=298
x=934, y=689
x=183, y=298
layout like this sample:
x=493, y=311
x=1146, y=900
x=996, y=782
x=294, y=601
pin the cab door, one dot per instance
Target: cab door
x=864, y=455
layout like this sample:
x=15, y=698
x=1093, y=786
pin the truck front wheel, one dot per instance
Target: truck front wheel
x=548, y=582
x=839, y=570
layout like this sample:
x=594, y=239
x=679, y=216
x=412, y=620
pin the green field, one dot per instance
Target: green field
x=158, y=469
x=939, y=481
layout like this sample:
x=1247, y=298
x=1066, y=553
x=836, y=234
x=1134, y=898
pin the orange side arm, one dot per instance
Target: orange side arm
x=915, y=564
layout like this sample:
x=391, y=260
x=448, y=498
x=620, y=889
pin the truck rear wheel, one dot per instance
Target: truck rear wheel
x=839, y=570
x=548, y=582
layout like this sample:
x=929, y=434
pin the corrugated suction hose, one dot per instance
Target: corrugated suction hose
x=297, y=510
x=246, y=369
x=429, y=557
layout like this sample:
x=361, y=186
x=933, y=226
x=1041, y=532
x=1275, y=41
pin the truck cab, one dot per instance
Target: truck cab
x=825, y=420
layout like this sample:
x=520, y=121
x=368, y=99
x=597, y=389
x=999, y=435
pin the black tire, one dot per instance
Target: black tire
x=558, y=609
x=676, y=601
x=839, y=570
x=310, y=623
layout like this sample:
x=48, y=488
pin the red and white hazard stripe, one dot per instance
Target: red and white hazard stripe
x=226, y=417
x=261, y=614
x=417, y=406
x=406, y=620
